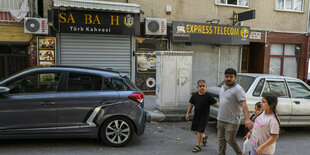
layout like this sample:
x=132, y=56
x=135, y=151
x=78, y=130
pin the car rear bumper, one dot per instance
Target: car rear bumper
x=142, y=123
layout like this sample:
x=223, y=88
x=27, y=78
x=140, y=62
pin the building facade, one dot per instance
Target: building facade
x=278, y=38
x=15, y=45
x=277, y=44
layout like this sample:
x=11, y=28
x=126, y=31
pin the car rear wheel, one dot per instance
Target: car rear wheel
x=116, y=131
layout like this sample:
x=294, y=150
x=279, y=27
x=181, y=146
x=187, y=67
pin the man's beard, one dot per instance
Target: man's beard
x=229, y=83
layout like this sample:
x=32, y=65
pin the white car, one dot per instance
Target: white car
x=293, y=96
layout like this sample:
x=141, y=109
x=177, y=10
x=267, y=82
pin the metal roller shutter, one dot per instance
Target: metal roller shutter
x=99, y=51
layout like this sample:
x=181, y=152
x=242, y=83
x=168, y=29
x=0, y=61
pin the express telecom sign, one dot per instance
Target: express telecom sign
x=73, y=21
x=210, y=33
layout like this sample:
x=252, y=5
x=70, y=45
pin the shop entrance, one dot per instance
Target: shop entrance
x=13, y=59
x=253, y=58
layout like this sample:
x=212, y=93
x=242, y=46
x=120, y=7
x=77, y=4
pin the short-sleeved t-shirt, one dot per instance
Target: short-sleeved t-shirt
x=202, y=107
x=230, y=108
x=264, y=127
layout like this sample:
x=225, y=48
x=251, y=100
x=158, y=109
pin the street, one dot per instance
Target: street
x=159, y=138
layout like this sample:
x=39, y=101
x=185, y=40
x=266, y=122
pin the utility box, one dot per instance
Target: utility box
x=173, y=80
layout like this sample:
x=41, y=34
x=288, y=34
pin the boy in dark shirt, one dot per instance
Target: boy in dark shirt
x=202, y=101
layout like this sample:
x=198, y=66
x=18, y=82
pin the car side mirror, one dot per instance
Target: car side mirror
x=4, y=90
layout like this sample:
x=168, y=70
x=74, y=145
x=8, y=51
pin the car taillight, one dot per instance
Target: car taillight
x=136, y=97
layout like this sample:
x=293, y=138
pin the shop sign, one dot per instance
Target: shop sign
x=210, y=33
x=145, y=74
x=74, y=21
x=46, y=51
x=255, y=35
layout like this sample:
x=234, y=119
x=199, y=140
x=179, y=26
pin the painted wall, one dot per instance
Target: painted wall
x=267, y=18
x=206, y=59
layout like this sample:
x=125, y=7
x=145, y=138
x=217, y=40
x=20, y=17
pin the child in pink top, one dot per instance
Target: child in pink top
x=266, y=127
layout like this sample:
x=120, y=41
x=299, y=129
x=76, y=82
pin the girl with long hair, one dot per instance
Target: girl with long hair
x=266, y=127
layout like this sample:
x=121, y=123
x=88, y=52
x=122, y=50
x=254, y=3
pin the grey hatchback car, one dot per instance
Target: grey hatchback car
x=64, y=102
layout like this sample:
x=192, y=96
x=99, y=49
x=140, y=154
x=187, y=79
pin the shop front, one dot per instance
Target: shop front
x=14, y=46
x=277, y=53
x=97, y=39
x=216, y=48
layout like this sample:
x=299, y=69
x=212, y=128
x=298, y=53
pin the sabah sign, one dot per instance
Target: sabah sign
x=73, y=21
x=210, y=33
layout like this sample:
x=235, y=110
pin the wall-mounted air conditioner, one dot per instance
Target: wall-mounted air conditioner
x=36, y=25
x=155, y=26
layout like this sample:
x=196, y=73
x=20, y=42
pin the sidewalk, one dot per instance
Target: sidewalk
x=155, y=115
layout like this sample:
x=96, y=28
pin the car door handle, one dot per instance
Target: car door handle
x=48, y=103
x=297, y=102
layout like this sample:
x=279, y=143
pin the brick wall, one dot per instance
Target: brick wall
x=32, y=54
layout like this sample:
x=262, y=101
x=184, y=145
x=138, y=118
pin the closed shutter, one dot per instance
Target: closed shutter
x=99, y=51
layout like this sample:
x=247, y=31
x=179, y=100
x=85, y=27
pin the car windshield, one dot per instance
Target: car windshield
x=244, y=81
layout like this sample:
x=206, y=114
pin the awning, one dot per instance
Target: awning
x=99, y=5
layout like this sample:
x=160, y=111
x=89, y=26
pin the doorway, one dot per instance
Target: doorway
x=13, y=59
x=253, y=58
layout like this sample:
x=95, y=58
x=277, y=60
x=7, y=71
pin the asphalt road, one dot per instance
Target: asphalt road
x=159, y=139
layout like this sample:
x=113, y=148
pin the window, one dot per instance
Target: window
x=299, y=90
x=33, y=83
x=284, y=59
x=244, y=81
x=290, y=5
x=83, y=82
x=119, y=84
x=277, y=87
x=259, y=88
x=234, y=2
x=6, y=5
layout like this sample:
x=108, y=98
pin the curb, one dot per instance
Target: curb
x=158, y=116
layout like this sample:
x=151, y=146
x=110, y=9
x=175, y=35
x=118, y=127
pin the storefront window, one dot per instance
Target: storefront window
x=290, y=66
x=309, y=69
x=233, y=2
x=275, y=66
x=284, y=59
x=276, y=49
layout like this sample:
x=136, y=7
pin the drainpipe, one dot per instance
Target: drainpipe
x=266, y=36
x=307, y=52
x=218, y=66
x=307, y=59
x=240, y=59
x=266, y=45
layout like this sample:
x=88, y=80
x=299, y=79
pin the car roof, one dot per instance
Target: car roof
x=101, y=72
x=105, y=72
x=255, y=75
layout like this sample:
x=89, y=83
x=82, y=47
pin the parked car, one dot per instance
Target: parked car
x=71, y=102
x=293, y=96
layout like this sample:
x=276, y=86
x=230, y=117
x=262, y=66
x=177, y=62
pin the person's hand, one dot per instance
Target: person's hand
x=260, y=150
x=248, y=124
x=187, y=117
x=248, y=135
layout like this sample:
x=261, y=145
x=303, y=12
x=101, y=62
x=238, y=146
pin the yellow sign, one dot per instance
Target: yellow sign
x=212, y=29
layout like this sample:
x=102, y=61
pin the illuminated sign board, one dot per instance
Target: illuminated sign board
x=210, y=33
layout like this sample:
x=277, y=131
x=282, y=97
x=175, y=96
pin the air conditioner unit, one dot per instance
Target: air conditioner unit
x=155, y=26
x=36, y=25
